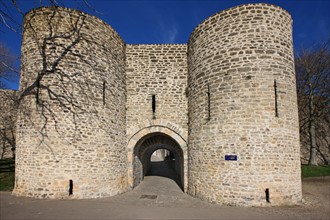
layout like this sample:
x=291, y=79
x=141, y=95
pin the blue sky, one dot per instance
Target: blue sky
x=172, y=21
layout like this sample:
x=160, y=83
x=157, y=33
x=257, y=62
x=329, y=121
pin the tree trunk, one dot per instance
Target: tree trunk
x=325, y=160
x=312, y=142
x=311, y=130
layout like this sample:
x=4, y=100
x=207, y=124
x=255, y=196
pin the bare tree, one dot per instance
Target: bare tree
x=313, y=87
x=8, y=109
x=9, y=9
x=8, y=71
x=11, y=17
x=54, y=49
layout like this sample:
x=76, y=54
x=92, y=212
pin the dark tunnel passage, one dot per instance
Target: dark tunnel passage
x=158, y=154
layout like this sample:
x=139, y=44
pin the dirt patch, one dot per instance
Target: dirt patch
x=316, y=200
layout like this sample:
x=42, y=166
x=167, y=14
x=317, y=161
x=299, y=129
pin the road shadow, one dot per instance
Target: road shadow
x=164, y=169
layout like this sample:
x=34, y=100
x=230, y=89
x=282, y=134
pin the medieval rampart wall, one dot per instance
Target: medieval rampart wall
x=159, y=71
x=8, y=112
x=156, y=96
x=94, y=109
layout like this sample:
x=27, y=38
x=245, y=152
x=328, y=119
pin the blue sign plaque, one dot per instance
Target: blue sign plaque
x=230, y=157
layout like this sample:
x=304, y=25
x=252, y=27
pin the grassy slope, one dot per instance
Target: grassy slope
x=7, y=181
x=314, y=171
x=7, y=175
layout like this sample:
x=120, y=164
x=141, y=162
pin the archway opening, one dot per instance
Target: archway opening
x=163, y=163
x=158, y=154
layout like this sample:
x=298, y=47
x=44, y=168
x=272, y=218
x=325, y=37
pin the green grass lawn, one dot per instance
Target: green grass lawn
x=7, y=181
x=314, y=171
x=7, y=175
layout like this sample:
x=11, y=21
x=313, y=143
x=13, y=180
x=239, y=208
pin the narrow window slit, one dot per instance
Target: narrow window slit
x=276, y=98
x=70, y=187
x=37, y=93
x=153, y=106
x=103, y=93
x=267, y=195
x=208, y=102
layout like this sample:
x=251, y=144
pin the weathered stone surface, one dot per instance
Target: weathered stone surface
x=71, y=132
x=96, y=109
x=8, y=112
x=242, y=108
x=165, y=78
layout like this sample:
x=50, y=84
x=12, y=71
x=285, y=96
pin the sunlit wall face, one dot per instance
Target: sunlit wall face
x=71, y=125
x=243, y=123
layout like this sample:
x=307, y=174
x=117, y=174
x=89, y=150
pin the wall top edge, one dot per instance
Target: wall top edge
x=239, y=6
x=60, y=8
x=157, y=45
x=200, y=24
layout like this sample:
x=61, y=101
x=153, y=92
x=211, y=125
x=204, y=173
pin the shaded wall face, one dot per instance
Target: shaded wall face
x=233, y=59
x=8, y=115
x=71, y=123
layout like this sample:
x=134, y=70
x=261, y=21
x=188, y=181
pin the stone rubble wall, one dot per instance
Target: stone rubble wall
x=88, y=105
x=74, y=125
x=8, y=110
x=159, y=70
x=236, y=55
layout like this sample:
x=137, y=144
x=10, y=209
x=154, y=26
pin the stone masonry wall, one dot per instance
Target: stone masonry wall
x=8, y=111
x=73, y=82
x=91, y=105
x=236, y=55
x=159, y=70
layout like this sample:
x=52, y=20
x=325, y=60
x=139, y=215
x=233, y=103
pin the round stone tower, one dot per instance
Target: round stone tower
x=71, y=125
x=243, y=121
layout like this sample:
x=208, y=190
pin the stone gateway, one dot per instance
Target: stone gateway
x=94, y=108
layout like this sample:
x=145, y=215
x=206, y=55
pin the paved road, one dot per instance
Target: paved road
x=155, y=198
x=169, y=204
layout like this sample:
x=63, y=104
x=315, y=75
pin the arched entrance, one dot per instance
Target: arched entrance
x=146, y=140
x=172, y=165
